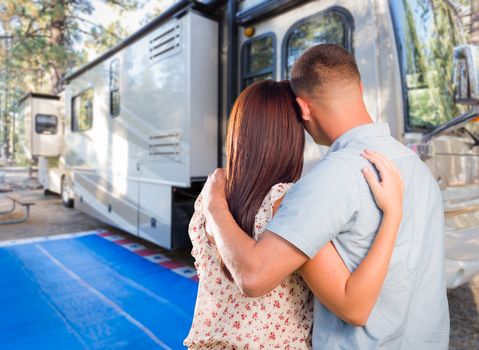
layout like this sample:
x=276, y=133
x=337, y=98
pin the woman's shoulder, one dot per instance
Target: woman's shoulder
x=278, y=191
x=265, y=212
x=275, y=193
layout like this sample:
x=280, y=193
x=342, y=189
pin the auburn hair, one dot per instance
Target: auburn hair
x=264, y=146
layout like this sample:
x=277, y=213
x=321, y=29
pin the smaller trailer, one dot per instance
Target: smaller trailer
x=42, y=133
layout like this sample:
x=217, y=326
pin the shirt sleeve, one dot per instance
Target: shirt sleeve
x=321, y=205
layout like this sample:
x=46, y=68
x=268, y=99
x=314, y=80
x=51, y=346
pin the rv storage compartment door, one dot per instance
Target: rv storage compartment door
x=155, y=214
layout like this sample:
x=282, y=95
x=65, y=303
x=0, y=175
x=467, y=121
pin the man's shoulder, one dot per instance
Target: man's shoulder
x=332, y=175
x=336, y=164
x=347, y=161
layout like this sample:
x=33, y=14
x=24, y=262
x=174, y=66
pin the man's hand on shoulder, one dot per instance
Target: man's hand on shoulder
x=214, y=195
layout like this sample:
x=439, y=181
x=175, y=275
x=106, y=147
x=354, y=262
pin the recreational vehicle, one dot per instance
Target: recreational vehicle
x=144, y=123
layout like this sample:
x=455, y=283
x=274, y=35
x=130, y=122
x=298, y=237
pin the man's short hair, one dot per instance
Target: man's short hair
x=323, y=65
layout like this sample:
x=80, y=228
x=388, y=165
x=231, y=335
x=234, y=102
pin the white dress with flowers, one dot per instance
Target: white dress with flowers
x=227, y=319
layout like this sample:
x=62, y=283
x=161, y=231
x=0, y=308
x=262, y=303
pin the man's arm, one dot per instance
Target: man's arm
x=256, y=266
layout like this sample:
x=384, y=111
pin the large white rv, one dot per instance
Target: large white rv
x=144, y=123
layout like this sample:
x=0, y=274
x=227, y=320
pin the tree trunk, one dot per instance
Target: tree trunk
x=57, y=39
x=474, y=22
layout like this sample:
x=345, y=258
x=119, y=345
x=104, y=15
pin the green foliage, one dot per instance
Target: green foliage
x=45, y=34
x=428, y=41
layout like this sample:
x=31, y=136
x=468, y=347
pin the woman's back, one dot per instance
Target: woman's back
x=225, y=318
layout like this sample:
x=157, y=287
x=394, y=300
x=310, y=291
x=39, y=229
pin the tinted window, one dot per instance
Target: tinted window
x=115, y=88
x=332, y=27
x=82, y=111
x=258, y=59
x=46, y=124
x=426, y=35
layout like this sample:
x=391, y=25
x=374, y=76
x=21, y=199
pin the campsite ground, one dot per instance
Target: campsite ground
x=49, y=217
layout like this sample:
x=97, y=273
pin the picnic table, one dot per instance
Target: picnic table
x=24, y=202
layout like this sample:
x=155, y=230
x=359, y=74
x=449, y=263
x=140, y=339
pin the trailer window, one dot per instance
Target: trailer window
x=115, y=88
x=426, y=34
x=333, y=26
x=82, y=111
x=46, y=124
x=258, y=59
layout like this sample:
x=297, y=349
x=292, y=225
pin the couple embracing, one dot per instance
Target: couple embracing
x=348, y=256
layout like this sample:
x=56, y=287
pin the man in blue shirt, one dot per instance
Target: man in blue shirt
x=333, y=203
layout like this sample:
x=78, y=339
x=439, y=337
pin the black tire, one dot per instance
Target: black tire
x=66, y=200
x=48, y=193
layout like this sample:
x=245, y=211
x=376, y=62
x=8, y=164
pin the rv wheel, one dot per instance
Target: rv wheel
x=67, y=201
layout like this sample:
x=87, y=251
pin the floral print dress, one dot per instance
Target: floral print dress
x=227, y=319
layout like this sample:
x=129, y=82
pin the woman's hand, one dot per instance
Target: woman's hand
x=214, y=195
x=388, y=192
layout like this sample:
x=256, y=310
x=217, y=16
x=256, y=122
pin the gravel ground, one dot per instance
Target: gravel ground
x=464, y=310
x=49, y=217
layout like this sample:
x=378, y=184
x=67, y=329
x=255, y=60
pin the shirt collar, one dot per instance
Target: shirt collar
x=359, y=132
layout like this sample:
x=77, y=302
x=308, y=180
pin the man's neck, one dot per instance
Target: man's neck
x=343, y=128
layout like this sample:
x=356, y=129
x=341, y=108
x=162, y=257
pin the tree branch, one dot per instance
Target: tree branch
x=95, y=25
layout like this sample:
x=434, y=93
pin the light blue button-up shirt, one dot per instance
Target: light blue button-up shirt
x=333, y=202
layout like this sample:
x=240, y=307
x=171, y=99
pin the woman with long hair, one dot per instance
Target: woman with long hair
x=264, y=146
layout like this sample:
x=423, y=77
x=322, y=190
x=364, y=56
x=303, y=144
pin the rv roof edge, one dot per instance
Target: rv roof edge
x=264, y=10
x=38, y=95
x=175, y=9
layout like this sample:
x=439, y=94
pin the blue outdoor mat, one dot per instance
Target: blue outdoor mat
x=89, y=293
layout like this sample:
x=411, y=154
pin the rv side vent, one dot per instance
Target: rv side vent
x=164, y=146
x=164, y=42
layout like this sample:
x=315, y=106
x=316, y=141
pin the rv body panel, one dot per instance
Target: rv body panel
x=50, y=173
x=98, y=196
x=124, y=166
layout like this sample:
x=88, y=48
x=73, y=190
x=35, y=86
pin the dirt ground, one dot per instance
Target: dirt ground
x=50, y=217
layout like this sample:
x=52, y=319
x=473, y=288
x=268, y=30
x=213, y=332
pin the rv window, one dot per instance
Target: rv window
x=258, y=59
x=115, y=88
x=427, y=32
x=46, y=124
x=82, y=111
x=333, y=26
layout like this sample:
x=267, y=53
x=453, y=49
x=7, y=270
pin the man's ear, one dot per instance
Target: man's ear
x=305, y=111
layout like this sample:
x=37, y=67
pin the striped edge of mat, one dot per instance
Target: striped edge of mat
x=151, y=254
